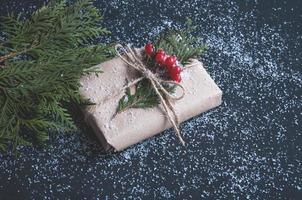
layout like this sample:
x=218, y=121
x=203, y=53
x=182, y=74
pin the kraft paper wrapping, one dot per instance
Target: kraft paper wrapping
x=134, y=125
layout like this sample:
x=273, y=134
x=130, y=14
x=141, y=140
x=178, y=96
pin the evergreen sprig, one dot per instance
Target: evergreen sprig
x=181, y=43
x=175, y=42
x=142, y=98
x=41, y=61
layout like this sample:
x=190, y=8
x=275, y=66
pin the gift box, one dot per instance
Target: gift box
x=120, y=131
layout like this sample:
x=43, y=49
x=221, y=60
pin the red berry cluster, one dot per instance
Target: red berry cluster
x=166, y=61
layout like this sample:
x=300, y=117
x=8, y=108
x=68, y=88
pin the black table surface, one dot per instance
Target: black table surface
x=248, y=148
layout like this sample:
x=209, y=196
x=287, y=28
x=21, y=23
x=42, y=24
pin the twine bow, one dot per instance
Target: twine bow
x=132, y=59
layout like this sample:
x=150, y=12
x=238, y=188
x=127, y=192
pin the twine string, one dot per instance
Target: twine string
x=131, y=58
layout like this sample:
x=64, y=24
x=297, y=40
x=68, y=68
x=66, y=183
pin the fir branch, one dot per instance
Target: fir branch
x=42, y=59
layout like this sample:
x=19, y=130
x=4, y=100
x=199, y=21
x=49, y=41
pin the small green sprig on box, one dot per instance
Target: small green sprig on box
x=175, y=42
x=41, y=61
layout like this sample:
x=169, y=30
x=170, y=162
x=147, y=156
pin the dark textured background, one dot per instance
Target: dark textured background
x=248, y=148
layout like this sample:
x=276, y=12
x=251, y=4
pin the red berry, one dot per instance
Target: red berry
x=149, y=49
x=176, y=77
x=160, y=57
x=174, y=70
x=171, y=60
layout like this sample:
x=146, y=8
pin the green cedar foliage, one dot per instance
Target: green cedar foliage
x=41, y=61
x=174, y=42
x=181, y=43
x=142, y=98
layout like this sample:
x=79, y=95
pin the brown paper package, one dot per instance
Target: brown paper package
x=136, y=124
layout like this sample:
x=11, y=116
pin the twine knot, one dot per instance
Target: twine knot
x=148, y=74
